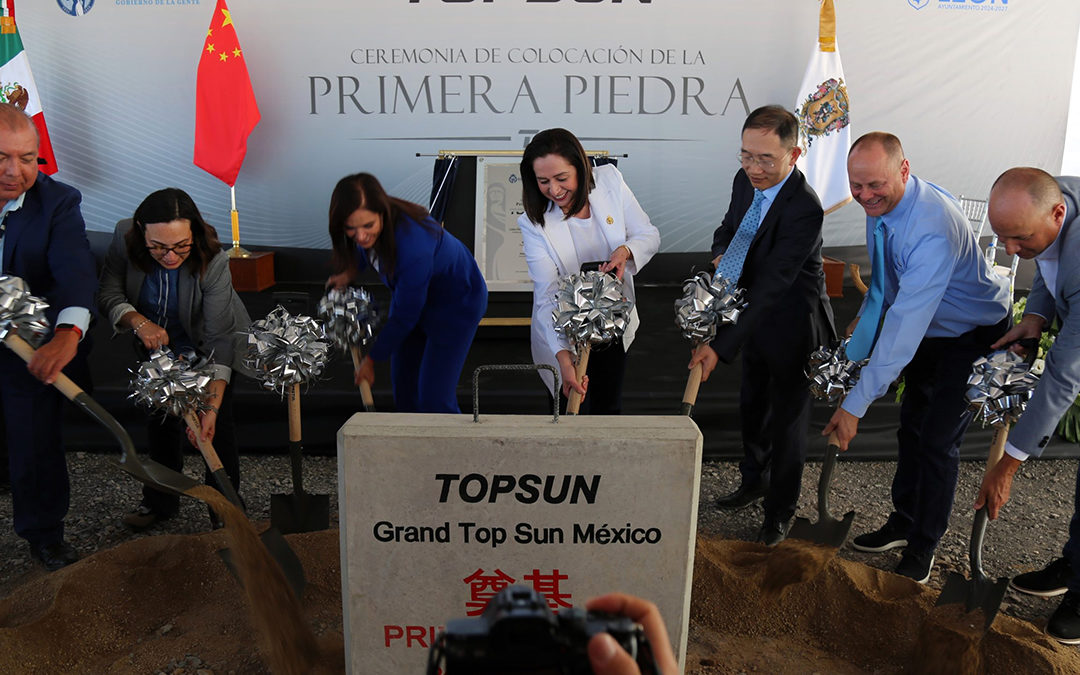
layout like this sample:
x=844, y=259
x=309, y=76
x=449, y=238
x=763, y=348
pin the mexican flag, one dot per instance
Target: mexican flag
x=17, y=83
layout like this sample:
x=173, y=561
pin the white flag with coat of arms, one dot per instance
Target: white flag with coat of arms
x=822, y=108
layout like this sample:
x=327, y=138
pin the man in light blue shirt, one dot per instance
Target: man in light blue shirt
x=943, y=307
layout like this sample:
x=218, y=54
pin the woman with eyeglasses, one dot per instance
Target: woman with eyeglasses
x=438, y=293
x=166, y=281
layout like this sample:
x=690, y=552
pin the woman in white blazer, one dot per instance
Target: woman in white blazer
x=576, y=214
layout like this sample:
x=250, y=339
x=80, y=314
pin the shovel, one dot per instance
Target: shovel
x=300, y=511
x=980, y=592
x=365, y=386
x=573, y=402
x=827, y=531
x=157, y=475
x=689, y=396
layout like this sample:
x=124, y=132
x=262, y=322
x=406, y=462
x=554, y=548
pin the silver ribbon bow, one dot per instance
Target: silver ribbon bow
x=349, y=317
x=999, y=388
x=175, y=385
x=590, y=308
x=283, y=350
x=706, y=305
x=21, y=312
x=831, y=373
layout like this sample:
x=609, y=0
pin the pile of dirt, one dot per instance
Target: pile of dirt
x=848, y=618
x=144, y=606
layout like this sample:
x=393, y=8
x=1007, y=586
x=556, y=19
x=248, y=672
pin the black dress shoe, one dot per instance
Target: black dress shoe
x=744, y=496
x=772, y=532
x=54, y=556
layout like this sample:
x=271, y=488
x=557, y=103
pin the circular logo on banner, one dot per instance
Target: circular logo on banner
x=76, y=7
x=824, y=111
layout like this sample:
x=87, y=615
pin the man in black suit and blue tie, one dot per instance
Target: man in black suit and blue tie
x=769, y=243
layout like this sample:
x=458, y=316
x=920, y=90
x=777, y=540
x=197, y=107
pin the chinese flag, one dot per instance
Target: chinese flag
x=17, y=83
x=225, y=107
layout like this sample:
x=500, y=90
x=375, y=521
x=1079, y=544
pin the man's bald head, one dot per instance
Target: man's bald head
x=1026, y=210
x=18, y=153
x=14, y=119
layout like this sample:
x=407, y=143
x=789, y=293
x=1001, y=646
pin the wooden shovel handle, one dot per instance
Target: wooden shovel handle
x=26, y=352
x=206, y=449
x=997, y=447
x=294, y=413
x=365, y=386
x=573, y=403
x=856, y=278
x=693, y=383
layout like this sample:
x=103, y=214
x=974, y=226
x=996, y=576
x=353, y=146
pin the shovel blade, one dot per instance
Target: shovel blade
x=300, y=512
x=978, y=593
x=828, y=531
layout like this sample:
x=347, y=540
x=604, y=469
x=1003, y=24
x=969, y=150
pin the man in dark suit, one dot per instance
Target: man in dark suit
x=1034, y=216
x=42, y=240
x=777, y=218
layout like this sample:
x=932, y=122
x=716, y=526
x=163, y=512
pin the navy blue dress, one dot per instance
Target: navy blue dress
x=438, y=299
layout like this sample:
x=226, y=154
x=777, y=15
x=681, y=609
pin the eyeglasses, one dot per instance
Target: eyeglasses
x=746, y=159
x=159, y=251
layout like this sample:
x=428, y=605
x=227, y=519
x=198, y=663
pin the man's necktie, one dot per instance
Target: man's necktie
x=731, y=264
x=862, y=340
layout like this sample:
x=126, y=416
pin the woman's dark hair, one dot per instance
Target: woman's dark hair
x=362, y=190
x=165, y=206
x=564, y=144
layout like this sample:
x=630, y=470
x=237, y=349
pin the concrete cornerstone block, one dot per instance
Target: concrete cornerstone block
x=439, y=513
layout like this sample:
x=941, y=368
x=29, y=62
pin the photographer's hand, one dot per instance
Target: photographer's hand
x=606, y=656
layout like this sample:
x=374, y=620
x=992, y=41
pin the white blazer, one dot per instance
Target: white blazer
x=550, y=253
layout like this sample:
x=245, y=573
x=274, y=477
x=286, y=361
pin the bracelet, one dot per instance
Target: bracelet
x=210, y=408
x=143, y=323
x=629, y=253
x=69, y=327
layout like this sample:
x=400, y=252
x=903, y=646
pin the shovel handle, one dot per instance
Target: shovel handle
x=828, y=465
x=689, y=396
x=294, y=414
x=982, y=516
x=205, y=447
x=573, y=403
x=365, y=386
x=997, y=447
x=26, y=352
x=213, y=462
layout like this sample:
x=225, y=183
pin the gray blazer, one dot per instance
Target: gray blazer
x=1060, y=381
x=211, y=312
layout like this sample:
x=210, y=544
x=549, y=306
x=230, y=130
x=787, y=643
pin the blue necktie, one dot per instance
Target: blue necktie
x=862, y=340
x=731, y=264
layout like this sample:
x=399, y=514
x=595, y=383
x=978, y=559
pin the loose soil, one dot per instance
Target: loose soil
x=796, y=608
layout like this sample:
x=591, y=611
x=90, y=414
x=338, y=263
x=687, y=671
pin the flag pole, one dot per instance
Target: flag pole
x=236, y=251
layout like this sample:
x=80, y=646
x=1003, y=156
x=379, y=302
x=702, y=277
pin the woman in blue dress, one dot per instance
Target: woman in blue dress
x=438, y=293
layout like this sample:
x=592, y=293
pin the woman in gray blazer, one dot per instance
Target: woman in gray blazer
x=166, y=281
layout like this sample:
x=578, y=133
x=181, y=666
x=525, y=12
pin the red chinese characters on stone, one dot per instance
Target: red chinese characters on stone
x=483, y=587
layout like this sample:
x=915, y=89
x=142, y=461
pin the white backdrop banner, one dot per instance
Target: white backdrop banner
x=971, y=87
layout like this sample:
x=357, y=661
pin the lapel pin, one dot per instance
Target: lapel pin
x=610, y=220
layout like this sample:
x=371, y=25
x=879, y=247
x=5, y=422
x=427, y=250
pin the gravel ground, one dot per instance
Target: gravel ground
x=1030, y=532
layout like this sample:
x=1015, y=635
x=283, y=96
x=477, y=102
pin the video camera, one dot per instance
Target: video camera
x=518, y=633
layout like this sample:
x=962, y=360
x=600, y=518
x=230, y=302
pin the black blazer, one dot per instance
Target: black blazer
x=782, y=274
